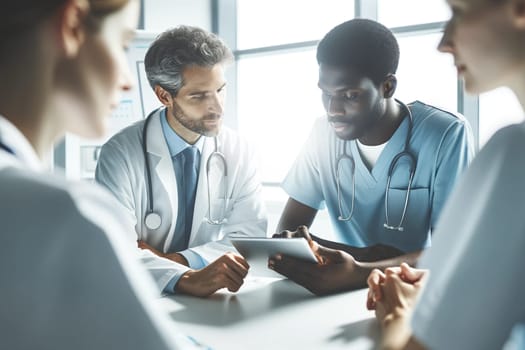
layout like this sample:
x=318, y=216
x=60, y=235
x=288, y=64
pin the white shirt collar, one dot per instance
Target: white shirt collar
x=14, y=139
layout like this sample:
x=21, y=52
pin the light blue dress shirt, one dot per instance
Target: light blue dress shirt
x=176, y=145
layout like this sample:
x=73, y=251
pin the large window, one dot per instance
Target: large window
x=277, y=22
x=497, y=109
x=277, y=95
x=400, y=13
x=277, y=106
x=276, y=92
x=424, y=73
x=277, y=72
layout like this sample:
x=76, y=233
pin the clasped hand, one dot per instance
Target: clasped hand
x=393, y=293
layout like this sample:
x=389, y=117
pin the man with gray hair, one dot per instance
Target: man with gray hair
x=187, y=182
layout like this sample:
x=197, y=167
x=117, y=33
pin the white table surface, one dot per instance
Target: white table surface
x=271, y=313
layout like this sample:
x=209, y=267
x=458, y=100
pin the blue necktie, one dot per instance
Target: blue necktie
x=187, y=175
x=190, y=183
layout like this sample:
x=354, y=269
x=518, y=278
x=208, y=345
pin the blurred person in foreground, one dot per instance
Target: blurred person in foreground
x=68, y=279
x=468, y=295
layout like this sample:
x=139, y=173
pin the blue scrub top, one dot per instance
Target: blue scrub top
x=443, y=146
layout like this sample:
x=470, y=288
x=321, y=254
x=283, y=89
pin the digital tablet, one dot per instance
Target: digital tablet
x=257, y=251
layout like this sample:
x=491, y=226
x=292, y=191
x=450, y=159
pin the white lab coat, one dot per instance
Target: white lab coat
x=69, y=280
x=121, y=168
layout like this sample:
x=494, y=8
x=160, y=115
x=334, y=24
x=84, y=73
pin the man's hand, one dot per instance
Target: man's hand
x=392, y=294
x=178, y=258
x=228, y=271
x=372, y=253
x=301, y=232
x=336, y=271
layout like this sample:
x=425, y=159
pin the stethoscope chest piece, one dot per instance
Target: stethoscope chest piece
x=152, y=221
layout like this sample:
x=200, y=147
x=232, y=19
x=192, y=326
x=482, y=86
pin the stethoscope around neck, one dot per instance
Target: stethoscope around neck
x=405, y=153
x=152, y=219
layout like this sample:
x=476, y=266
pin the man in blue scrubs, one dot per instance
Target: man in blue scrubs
x=382, y=210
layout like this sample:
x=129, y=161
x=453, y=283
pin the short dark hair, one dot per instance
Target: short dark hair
x=361, y=44
x=179, y=48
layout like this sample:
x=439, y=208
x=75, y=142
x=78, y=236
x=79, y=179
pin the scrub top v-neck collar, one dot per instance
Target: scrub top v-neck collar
x=379, y=172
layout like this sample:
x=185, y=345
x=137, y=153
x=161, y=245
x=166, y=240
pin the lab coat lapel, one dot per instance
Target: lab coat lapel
x=164, y=169
x=200, y=211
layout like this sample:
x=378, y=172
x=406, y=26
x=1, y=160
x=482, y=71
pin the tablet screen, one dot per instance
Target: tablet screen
x=257, y=251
